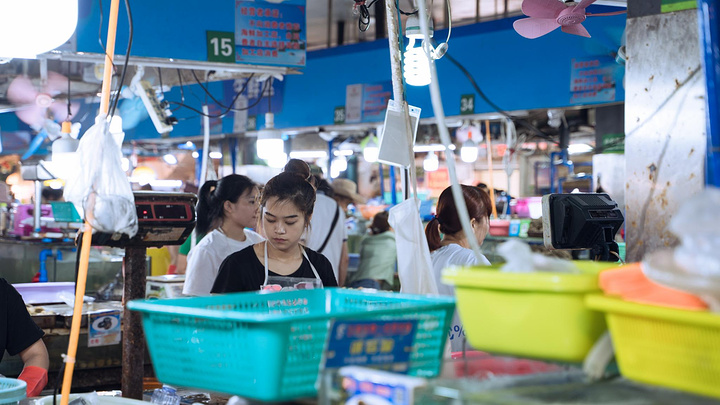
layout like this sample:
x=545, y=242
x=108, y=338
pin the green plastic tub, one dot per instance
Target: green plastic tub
x=12, y=390
x=270, y=346
x=541, y=314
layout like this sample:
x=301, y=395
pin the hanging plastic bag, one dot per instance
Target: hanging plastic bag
x=101, y=190
x=414, y=264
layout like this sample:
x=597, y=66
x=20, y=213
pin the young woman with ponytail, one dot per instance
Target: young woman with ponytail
x=225, y=209
x=448, y=244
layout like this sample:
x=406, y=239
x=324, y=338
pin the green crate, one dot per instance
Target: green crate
x=12, y=391
x=270, y=346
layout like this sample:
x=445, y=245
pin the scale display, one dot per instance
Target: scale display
x=163, y=219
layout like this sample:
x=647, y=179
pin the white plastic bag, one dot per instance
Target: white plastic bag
x=414, y=264
x=101, y=190
x=694, y=265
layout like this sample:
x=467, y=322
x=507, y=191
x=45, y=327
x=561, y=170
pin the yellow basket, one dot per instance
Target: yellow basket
x=540, y=314
x=664, y=346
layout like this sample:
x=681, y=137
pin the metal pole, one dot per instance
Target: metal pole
x=133, y=345
x=382, y=183
x=709, y=38
x=329, y=24
x=37, y=208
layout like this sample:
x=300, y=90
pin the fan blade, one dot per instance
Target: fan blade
x=35, y=144
x=576, y=29
x=60, y=111
x=606, y=14
x=542, y=8
x=32, y=114
x=56, y=84
x=583, y=5
x=535, y=27
x=21, y=91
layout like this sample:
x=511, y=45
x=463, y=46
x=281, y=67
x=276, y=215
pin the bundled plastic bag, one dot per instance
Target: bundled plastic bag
x=414, y=264
x=101, y=191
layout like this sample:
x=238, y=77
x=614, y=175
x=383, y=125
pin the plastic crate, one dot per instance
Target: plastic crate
x=12, y=390
x=541, y=314
x=664, y=346
x=270, y=346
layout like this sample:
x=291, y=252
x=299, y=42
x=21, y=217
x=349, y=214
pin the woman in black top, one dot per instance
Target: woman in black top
x=286, y=207
x=20, y=335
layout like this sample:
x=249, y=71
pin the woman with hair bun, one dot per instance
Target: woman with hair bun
x=227, y=207
x=286, y=208
x=447, y=241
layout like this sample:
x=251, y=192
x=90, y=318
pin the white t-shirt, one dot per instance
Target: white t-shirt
x=323, y=214
x=453, y=255
x=204, y=260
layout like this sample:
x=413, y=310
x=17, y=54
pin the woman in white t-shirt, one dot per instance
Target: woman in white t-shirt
x=227, y=206
x=448, y=244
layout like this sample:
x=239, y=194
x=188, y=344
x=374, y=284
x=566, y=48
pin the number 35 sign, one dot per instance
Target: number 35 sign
x=220, y=46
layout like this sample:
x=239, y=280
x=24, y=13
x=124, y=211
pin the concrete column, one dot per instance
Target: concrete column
x=664, y=122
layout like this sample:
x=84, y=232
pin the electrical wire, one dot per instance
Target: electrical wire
x=364, y=10
x=207, y=92
x=233, y=102
x=100, y=36
x=127, y=59
x=237, y=95
x=536, y=131
x=69, y=104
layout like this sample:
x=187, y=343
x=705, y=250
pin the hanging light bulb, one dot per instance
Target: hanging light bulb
x=416, y=68
x=35, y=26
x=371, y=150
x=469, y=151
x=337, y=165
x=431, y=162
x=64, y=158
x=170, y=159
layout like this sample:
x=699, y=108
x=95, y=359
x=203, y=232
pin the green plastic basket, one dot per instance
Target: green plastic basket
x=270, y=346
x=11, y=390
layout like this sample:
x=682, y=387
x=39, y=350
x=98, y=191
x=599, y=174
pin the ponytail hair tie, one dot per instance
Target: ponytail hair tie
x=438, y=219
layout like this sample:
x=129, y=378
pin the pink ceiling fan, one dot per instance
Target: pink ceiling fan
x=548, y=15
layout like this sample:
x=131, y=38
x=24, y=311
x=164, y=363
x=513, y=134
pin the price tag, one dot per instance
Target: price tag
x=467, y=104
x=220, y=46
x=339, y=117
x=366, y=343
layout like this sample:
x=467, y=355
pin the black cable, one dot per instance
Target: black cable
x=237, y=95
x=100, y=36
x=160, y=77
x=69, y=110
x=536, y=131
x=364, y=20
x=207, y=92
x=227, y=109
x=127, y=58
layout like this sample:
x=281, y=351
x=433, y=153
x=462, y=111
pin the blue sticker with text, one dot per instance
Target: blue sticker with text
x=366, y=343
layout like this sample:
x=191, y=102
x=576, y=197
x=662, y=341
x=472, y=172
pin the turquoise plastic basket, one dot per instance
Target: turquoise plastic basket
x=269, y=346
x=11, y=390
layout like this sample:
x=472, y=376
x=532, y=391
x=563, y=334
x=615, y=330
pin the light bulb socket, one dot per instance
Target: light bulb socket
x=412, y=27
